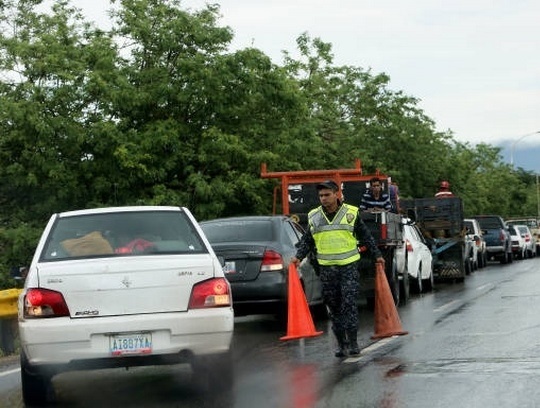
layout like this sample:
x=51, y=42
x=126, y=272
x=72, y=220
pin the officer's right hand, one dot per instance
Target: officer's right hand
x=295, y=261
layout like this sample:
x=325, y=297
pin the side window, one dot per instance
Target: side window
x=291, y=233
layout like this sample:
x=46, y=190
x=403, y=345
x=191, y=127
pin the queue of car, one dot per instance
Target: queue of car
x=89, y=299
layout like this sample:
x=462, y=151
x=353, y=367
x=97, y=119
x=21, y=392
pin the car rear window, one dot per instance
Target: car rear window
x=122, y=234
x=238, y=231
x=489, y=223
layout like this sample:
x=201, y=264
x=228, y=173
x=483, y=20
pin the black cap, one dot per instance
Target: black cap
x=328, y=184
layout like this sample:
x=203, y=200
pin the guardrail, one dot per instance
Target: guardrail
x=8, y=303
x=8, y=319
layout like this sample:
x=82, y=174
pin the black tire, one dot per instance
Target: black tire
x=36, y=388
x=404, y=289
x=418, y=283
x=429, y=284
x=370, y=303
x=468, y=266
x=392, y=275
x=481, y=261
x=213, y=373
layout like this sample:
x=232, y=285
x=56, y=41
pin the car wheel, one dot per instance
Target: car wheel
x=370, y=302
x=37, y=388
x=418, y=280
x=213, y=373
x=404, y=289
x=468, y=267
x=429, y=284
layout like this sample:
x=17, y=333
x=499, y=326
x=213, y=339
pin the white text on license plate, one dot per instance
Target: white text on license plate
x=136, y=343
x=229, y=267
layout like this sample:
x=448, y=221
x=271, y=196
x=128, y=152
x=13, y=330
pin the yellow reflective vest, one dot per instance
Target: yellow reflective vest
x=335, y=241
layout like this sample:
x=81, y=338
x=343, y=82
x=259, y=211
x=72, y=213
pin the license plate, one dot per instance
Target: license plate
x=230, y=267
x=136, y=343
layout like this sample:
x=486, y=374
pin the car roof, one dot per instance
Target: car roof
x=105, y=210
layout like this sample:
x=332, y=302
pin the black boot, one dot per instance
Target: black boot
x=341, y=351
x=354, y=349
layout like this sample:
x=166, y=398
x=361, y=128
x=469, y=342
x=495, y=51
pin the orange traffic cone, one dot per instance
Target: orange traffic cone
x=387, y=321
x=299, y=321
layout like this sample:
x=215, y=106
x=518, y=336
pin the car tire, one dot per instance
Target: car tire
x=418, y=284
x=37, y=388
x=468, y=266
x=428, y=285
x=392, y=275
x=213, y=373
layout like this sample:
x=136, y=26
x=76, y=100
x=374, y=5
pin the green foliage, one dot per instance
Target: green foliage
x=158, y=111
x=17, y=246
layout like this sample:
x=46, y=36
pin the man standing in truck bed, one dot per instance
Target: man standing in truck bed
x=334, y=229
x=374, y=199
x=444, y=190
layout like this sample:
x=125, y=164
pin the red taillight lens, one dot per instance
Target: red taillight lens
x=272, y=261
x=210, y=293
x=44, y=303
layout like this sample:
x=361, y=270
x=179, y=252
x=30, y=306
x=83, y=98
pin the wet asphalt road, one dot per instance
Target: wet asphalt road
x=475, y=344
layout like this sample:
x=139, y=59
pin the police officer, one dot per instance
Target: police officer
x=334, y=229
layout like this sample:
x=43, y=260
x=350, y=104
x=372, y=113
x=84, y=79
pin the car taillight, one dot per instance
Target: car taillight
x=210, y=293
x=408, y=245
x=44, y=303
x=501, y=236
x=272, y=261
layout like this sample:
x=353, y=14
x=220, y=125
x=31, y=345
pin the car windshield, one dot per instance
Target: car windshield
x=512, y=230
x=121, y=234
x=238, y=231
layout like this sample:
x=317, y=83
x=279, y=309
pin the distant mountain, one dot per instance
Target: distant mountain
x=525, y=156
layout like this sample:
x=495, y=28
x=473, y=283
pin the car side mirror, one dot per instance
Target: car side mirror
x=411, y=214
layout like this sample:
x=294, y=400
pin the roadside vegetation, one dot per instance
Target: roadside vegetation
x=158, y=110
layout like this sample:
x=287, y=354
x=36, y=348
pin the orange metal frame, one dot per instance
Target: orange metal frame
x=314, y=176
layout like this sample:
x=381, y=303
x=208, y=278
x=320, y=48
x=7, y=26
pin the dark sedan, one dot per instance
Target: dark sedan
x=257, y=251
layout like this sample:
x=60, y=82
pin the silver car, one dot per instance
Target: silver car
x=121, y=287
x=530, y=240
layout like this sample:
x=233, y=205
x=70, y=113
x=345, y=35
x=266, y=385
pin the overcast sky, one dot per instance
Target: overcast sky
x=474, y=64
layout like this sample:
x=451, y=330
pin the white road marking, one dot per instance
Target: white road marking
x=9, y=372
x=445, y=306
x=369, y=349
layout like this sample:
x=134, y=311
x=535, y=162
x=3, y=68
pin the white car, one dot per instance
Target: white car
x=419, y=258
x=530, y=240
x=518, y=242
x=119, y=287
x=475, y=235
